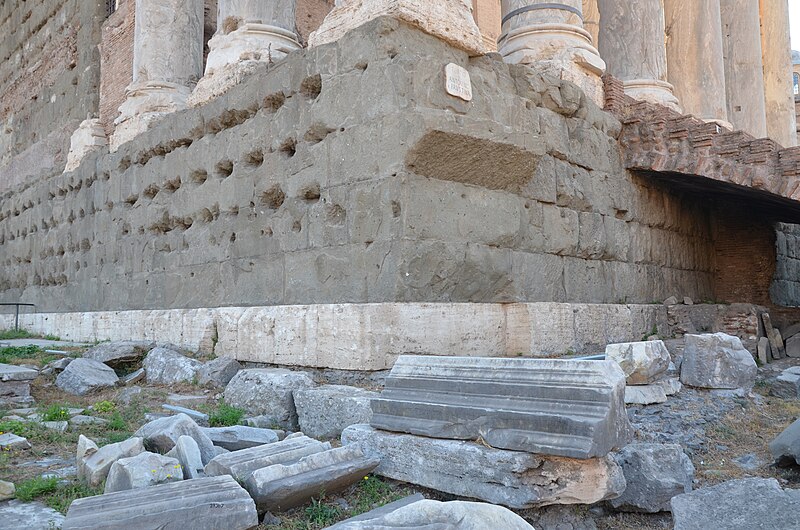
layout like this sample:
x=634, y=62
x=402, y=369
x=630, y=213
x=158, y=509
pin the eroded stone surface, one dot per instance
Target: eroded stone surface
x=218, y=372
x=325, y=411
x=717, y=361
x=29, y=515
x=240, y=437
x=164, y=366
x=268, y=391
x=654, y=473
x=187, y=453
x=642, y=362
x=142, y=471
x=785, y=448
x=83, y=376
x=162, y=434
x=93, y=464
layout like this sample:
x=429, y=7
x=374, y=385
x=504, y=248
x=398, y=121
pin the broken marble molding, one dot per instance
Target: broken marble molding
x=546, y=406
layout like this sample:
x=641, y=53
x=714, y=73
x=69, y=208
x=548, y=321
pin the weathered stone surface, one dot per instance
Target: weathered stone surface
x=283, y=486
x=83, y=376
x=199, y=504
x=93, y=463
x=511, y=478
x=786, y=385
x=745, y=503
x=201, y=418
x=654, y=473
x=764, y=351
x=218, y=372
x=671, y=385
x=454, y=515
x=559, y=407
x=774, y=335
x=645, y=395
x=29, y=515
x=10, y=441
x=241, y=464
x=717, y=361
x=134, y=377
x=268, y=391
x=187, y=453
x=325, y=411
x=793, y=347
x=786, y=447
x=10, y=372
x=240, y=437
x=162, y=434
x=142, y=471
x=379, y=512
x=120, y=353
x=81, y=419
x=166, y=367
x=642, y=362
x=7, y=490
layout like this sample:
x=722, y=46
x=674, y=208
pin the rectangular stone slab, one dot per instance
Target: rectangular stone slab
x=549, y=406
x=240, y=464
x=285, y=486
x=10, y=372
x=199, y=504
x=468, y=469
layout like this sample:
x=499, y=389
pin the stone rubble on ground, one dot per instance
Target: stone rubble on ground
x=142, y=471
x=644, y=395
x=15, y=384
x=81, y=420
x=161, y=435
x=642, y=362
x=218, y=372
x=774, y=336
x=198, y=504
x=93, y=463
x=187, y=453
x=793, y=347
x=717, y=361
x=268, y=392
x=119, y=354
x=787, y=384
x=325, y=411
x=283, y=486
x=7, y=490
x=168, y=367
x=58, y=426
x=511, y=478
x=785, y=448
x=84, y=376
x=240, y=437
x=745, y=503
x=9, y=441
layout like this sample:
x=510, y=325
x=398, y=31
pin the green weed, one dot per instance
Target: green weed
x=321, y=514
x=18, y=352
x=34, y=488
x=104, y=407
x=11, y=334
x=55, y=412
x=64, y=494
x=225, y=416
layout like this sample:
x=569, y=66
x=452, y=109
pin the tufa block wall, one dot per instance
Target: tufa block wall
x=347, y=174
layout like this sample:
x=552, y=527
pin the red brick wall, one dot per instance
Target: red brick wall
x=116, y=62
x=309, y=16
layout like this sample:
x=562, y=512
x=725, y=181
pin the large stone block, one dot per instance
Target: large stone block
x=515, y=479
x=162, y=434
x=325, y=411
x=83, y=376
x=717, y=361
x=786, y=447
x=120, y=353
x=199, y=504
x=93, y=463
x=283, y=486
x=239, y=437
x=642, y=362
x=167, y=367
x=142, y=471
x=555, y=407
x=268, y=392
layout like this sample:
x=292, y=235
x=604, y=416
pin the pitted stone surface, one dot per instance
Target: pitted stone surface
x=268, y=392
x=555, y=407
x=325, y=411
x=239, y=437
x=717, y=361
x=162, y=434
x=199, y=504
x=514, y=479
x=83, y=376
x=642, y=362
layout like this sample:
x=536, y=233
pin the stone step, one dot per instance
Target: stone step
x=199, y=504
x=549, y=406
x=284, y=486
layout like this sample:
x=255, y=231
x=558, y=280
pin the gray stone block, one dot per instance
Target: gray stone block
x=83, y=376
x=745, y=503
x=240, y=437
x=187, y=453
x=654, y=473
x=10, y=372
x=379, y=512
x=199, y=504
x=119, y=353
x=166, y=367
x=16, y=514
x=284, y=486
x=785, y=448
x=514, y=479
x=325, y=411
x=793, y=346
x=645, y=395
x=162, y=434
x=717, y=361
x=642, y=362
x=786, y=385
x=10, y=441
x=553, y=407
x=218, y=372
x=93, y=463
x=142, y=471
x=268, y=391
x=241, y=464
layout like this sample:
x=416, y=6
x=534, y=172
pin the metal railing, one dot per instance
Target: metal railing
x=16, y=313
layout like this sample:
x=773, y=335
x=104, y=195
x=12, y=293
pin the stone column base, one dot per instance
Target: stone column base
x=563, y=50
x=652, y=91
x=88, y=137
x=449, y=20
x=235, y=55
x=144, y=105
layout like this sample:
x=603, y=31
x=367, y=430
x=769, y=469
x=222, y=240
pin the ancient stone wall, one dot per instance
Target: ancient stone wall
x=785, y=288
x=116, y=56
x=347, y=174
x=49, y=79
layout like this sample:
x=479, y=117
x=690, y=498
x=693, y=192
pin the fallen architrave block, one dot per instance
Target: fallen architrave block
x=547, y=406
x=514, y=479
x=241, y=464
x=284, y=486
x=199, y=504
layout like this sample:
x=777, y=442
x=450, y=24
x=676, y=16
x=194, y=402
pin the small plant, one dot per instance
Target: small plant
x=11, y=334
x=34, y=488
x=52, y=337
x=321, y=514
x=55, y=412
x=373, y=492
x=17, y=352
x=225, y=416
x=62, y=497
x=117, y=422
x=105, y=407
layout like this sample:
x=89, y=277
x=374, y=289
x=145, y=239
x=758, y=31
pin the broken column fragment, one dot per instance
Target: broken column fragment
x=547, y=406
x=199, y=504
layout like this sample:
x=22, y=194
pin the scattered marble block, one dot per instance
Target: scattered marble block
x=514, y=479
x=553, y=407
x=717, y=361
x=187, y=453
x=161, y=435
x=120, y=354
x=671, y=385
x=16, y=514
x=10, y=441
x=745, y=503
x=80, y=419
x=168, y=367
x=219, y=372
x=241, y=464
x=10, y=372
x=93, y=463
x=15, y=384
x=240, y=437
x=325, y=411
x=642, y=362
x=785, y=448
x=198, y=504
x=793, y=347
x=7, y=490
x=764, y=351
x=142, y=471
x=454, y=515
x=375, y=514
x=787, y=385
x=83, y=376
x=268, y=392
x=281, y=487
x=645, y=395
x=200, y=418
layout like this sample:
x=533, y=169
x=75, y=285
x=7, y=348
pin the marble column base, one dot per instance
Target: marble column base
x=89, y=136
x=449, y=20
x=563, y=50
x=235, y=55
x=145, y=105
x=652, y=91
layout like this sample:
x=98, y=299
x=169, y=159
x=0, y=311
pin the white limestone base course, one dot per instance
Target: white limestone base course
x=363, y=336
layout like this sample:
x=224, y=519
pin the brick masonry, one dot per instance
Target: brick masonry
x=116, y=61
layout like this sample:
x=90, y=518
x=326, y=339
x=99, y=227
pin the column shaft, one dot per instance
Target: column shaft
x=591, y=20
x=694, y=55
x=631, y=41
x=744, y=74
x=777, y=59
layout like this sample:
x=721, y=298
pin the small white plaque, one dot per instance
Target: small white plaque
x=457, y=82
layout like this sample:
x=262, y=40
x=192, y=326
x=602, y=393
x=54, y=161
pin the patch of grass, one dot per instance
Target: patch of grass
x=225, y=416
x=62, y=497
x=34, y=488
x=373, y=492
x=55, y=412
x=18, y=352
x=104, y=407
x=11, y=334
x=117, y=422
x=116, y=437
x=36, y=433
x=320, y=514
x=52, y=337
